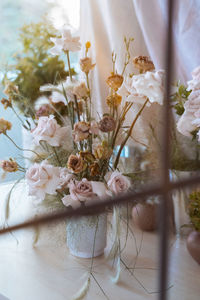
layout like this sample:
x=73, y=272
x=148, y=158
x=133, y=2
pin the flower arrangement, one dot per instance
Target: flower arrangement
x=186, y=105
x=76, y=155
x=81, y=147
x=33, y=67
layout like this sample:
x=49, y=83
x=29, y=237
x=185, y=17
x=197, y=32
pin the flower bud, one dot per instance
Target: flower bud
x=4, y=126
x=114, y=100
x=115, y=81
x=86, y=64
x=9, y=166
x=107, y=124
x=143, y=63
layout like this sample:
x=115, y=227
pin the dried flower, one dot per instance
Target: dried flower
x=143, y=63
x=81, y=90
x=76, y=164
x=107, y=124
x=4, y=126
x=10, y=89
x=102, y=152
x=115, y=81
x=87, y=156
x=94, y=169
x=6, y=102
x=86, y=64
x=114, y=100
x=44, y=110
x=9, y=165
x=94, y=128
x=81, y=131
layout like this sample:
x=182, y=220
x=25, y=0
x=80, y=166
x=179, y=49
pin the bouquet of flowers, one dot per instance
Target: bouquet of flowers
x=186, y=104
x=75, y=158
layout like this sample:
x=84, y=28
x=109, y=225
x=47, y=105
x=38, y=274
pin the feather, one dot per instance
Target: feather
x=83, y=290
x=117, y=276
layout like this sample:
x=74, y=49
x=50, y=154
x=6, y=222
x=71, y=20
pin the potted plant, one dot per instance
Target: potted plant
x=193, y=240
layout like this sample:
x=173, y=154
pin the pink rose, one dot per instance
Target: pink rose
x=83, y=191
x=42, y=179
x=118, y=183
x=50, y=131
x=65, y=177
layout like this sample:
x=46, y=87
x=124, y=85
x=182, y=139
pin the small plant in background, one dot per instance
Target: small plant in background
x=33, y=67
x=194, y=209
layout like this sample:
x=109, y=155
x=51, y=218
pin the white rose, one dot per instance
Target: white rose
x=50, y=131
x=194, y=84
x=150, y=85
x=42, y=179
x=190, y=120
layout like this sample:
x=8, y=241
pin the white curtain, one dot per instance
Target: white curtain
x=152, y=16
x=105, y=23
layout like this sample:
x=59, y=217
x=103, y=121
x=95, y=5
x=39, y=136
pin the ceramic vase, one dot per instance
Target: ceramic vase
x=86, y=235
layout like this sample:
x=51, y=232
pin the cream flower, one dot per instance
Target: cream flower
x=129, y=94
x=81, y=90
x=66, y=43
x=84, y=191
x=140, y=87
x=150, y=85
x=118, y=183
x=50, y=131
x=42, y=179
x=194, y=84
x=190, y=120
x=81, y=131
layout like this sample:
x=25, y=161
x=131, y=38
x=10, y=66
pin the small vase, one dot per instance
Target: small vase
x=180, y=200
x=145, y=216
x=86, y=235
x=193, y=245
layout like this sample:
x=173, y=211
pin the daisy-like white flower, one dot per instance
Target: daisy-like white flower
x=66, y=43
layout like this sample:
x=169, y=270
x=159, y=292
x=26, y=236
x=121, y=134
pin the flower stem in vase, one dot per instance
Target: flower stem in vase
x=128, y=135
x=68, y=61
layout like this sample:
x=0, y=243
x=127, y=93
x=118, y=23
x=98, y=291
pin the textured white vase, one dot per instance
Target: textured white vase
x=86, y=235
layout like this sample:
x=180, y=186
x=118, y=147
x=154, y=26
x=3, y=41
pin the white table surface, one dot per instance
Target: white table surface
x=49, y=272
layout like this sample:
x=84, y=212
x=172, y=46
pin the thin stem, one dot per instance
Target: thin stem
x=56, y=154
x=18, y=116
x=68, y=60
x=77, y=108
x=21, y=149
x=128, y=135
x=88, y=86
